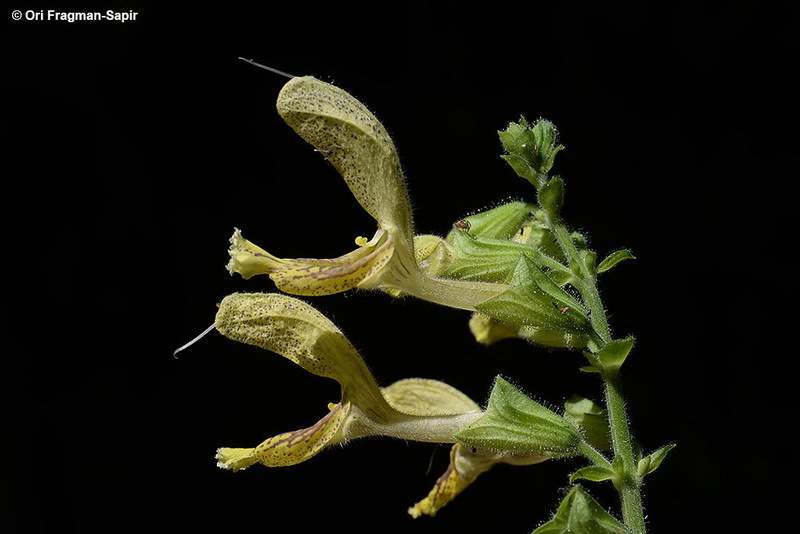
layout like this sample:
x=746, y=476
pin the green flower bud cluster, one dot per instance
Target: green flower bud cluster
x=531, y=149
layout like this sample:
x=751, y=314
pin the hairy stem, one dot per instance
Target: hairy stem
x=628, y=484
x=622, y=442
x=585, y=282
x=588, y=290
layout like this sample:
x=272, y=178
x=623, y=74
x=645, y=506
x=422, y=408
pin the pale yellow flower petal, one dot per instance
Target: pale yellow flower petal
x=308, y=276
x=461, y=472
x=375, y=264
x=235, y=459
x=247, y=258
x=300, y=333
x=355, y=143
x=426, y=397
x=487, y=330
x=289, y=448
x=466, y=465
x=349, y=136
x=358, y=146
x=433, y=254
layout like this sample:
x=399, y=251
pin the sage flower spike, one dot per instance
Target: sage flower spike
x=359, y=148
x=413, y=409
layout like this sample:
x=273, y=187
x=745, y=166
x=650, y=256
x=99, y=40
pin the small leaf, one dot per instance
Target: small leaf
x=546, y=136
x=517, y=137
x=594, y=473
x=614, y=353
x=521, y=167
x=613, y=259
x=650, y=463
x=579, y=513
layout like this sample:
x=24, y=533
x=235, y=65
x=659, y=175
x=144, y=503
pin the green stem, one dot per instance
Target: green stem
x=567, y=245
x=628, y=484
x=622, y=442
x=588, y=290
x=586, y=281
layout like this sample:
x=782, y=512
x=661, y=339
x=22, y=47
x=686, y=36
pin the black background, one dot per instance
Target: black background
x=130, y=152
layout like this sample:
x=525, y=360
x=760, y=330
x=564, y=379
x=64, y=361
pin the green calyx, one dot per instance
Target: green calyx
x=487, y=246
x=535, y=299
x=501, y=222
x=515, y=423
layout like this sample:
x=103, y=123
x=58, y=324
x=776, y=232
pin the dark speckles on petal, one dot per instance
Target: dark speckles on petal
x=358, y=145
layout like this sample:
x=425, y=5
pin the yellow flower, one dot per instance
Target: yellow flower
x=414, y=409
x=358, y=146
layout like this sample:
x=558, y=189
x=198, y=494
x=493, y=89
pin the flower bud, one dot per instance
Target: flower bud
x=488, y=330
x=536, y=233
x=531, y=149
x=591, y=419
x=502, y=222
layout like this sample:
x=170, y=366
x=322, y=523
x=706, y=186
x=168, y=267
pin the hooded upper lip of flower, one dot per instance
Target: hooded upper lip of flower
x=358, y=146
x=414, y=409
